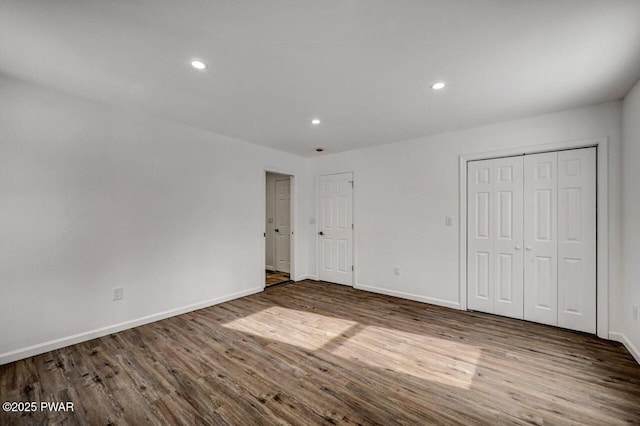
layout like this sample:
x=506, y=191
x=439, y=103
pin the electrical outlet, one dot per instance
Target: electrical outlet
x=118, y=293
x=448, y=221
x=396, y=270
x=634, y=312
x=312, y=221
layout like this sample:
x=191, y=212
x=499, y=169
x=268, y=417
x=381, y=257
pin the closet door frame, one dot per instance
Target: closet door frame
x=602, y=231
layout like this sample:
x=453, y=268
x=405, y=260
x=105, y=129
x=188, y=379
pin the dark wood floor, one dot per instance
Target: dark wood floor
x=275, y=277
x=317, y=353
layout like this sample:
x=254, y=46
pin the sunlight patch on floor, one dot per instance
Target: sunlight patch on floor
x=422, y=356
x=303, y=329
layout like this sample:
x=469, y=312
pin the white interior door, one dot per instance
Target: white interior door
x=577, y=239
x=541, y=238
x=283, y=225
x=494, y=239
x=480, y=258
x=335, y=228
x=508, y=236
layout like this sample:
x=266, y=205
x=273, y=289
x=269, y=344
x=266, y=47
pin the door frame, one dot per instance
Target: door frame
x=353, y=230
x=602, y=222
x=292, y=219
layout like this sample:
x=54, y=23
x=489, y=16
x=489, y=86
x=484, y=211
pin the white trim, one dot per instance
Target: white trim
x=306, y=277
x=602, y=239
x=410, y=296
x=51, y=345
x=354, y=231
x=620, y=337
x=315, y=233
x=462, y=224
x=602, y=144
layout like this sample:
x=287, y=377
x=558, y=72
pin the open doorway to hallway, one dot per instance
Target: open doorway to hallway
x=277, y=229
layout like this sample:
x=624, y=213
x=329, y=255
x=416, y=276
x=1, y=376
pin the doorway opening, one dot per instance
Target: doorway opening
x=278, y=229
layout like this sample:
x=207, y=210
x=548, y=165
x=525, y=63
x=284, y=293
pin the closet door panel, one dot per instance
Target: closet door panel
x=577, y=239
x=508, y=237
x=480, y=176
x=541, y=238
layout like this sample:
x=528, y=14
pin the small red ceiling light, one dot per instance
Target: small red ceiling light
x=319, y=149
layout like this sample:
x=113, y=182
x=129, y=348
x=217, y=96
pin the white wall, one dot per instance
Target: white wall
x=403, y=191
x=95, y=197
x=631, y=219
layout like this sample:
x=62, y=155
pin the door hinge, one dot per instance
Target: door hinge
x=352, y=267
x=352, y=226
x=351, y=182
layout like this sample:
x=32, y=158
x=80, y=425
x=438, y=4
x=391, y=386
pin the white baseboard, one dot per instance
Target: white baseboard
x=305, y=277
x=620, y=337
x=410, y=296
x=51, y=345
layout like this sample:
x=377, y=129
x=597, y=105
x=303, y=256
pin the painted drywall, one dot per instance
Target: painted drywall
x=270, y=226
x=631, y=218
x=96, y=197
x=404, y=191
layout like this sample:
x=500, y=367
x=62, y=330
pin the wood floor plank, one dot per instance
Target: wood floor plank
x=312, y=353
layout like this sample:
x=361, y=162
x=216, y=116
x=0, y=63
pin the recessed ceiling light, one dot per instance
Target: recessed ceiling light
x=315, y=121
x=199, y=65
x=437, y=86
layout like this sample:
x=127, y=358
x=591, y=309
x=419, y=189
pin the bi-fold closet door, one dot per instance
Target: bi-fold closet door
x=531, y=237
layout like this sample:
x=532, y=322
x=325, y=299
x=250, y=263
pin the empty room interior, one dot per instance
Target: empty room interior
x=320, y=212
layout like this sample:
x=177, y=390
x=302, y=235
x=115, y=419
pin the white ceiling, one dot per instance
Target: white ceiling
x=361, y=66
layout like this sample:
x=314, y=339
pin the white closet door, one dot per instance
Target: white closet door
x=494, y=239
x=577, y=239
x=541, y=238
x=507, y=212
x=480, y=236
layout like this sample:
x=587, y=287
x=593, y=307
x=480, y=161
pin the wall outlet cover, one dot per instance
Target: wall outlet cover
x=118, y=293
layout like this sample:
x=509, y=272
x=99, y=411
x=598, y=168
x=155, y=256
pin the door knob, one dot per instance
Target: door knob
x=320, y=233
x=529, y=248
x=277, y=230
x=518, y=247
